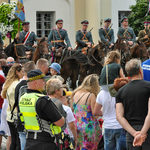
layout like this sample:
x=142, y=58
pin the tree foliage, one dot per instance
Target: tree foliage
x=139, y=14
x=8, y=21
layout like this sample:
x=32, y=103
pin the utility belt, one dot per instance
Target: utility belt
x=58, y=41
x=42, y=136
x=85, y=41
x=45, y=126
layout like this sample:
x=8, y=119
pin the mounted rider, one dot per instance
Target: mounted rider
x=57, y=36
x=26, y=37
x=126, y=32
x=106, y=33
x=144, y=35
x=83, y=37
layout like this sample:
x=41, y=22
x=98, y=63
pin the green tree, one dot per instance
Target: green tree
x=139, y=14
x=8, y=21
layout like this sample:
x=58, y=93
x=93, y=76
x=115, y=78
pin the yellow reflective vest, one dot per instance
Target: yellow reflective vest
x=30, y=118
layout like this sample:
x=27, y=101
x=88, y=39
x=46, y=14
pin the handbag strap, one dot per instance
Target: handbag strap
x=107, y=74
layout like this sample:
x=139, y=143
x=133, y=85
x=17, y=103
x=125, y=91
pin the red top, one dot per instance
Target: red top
x=2, y=80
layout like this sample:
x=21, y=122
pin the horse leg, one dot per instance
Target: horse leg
x=74, y=78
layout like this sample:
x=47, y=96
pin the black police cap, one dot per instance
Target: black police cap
x=35, y=75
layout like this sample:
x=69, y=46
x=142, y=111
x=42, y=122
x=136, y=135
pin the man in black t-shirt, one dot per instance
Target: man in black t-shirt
x=133, y=107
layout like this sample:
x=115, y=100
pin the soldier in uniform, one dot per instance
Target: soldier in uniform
x=84, y=37
x=126, y=32
x=106, y=34
x=57, y=36
x=144, y=35
x=26, y=37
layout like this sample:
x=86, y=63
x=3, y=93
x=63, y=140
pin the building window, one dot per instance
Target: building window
x=44, y=23
x=121, y=14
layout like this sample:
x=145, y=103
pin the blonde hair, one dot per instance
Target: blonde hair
x=89, y=84
x=11, y=77
x=52, y=85
x=112, y=57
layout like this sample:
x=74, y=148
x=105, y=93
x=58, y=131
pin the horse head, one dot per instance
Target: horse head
x=122, y=45
x=42, y=50
x=43, y=46
x=139, y=51
x=96, y=54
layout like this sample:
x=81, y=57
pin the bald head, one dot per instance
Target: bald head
x=10, y=61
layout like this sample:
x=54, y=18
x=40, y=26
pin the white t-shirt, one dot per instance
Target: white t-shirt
x=69, y=118
x=108, y=108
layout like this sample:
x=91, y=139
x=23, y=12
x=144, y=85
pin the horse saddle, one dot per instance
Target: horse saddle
x=58, y=52
x=20, y=50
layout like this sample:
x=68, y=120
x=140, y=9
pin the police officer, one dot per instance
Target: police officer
x=84, y=37
x=26, y=37
x=57, y=36
x=144, y=35
x=1, y=41
x=106, y=34
x=38, y=113
x=126, y=32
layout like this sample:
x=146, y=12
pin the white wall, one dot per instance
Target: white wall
x=64, y=9
x=122, y=5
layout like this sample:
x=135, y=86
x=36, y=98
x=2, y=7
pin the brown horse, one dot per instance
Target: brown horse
x=139, y=51
x=77, y=66
x=41, y=51
x=2, y=53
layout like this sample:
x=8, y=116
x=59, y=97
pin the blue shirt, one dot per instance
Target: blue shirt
x=146, y=69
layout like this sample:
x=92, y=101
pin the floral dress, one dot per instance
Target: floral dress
x=89, y=132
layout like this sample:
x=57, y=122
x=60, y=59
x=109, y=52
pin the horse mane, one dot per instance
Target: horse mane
x=37, y=52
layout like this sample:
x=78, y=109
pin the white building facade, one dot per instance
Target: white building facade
x=42, y=15
x=119, y=9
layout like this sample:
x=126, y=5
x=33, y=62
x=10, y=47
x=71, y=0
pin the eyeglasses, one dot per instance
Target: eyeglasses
x=10, y=62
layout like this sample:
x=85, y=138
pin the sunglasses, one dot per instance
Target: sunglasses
x=11, y=62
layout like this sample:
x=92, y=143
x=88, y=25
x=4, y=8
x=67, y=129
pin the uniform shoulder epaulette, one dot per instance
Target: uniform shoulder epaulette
x=64, y=29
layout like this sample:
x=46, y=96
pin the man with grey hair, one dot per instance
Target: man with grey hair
x=133, y=107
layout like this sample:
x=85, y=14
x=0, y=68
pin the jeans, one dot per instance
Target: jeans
x=22, y=137
x=114, y=139
x=145, y=145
